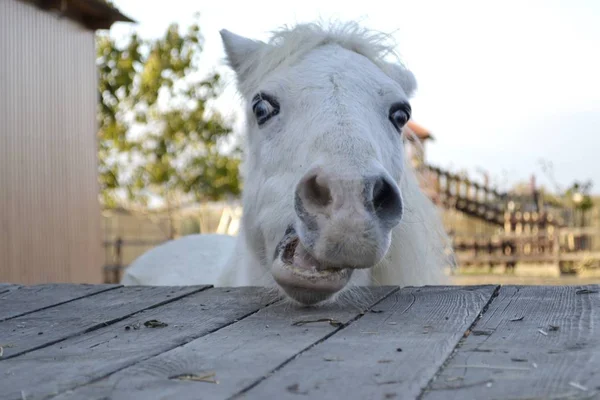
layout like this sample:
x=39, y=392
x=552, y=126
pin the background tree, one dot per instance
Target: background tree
x=578, y=197
x=158, y=138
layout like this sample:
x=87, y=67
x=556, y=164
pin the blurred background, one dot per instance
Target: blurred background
x=120, y=128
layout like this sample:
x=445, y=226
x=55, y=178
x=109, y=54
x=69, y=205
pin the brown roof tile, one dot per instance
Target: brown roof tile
x=420, y=132
x=93, y=14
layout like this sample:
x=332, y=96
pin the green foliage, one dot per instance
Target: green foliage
x=578, y=195
x=157, y=137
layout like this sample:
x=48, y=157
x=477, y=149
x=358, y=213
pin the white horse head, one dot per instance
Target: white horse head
x=329, y=200
x=328, y=196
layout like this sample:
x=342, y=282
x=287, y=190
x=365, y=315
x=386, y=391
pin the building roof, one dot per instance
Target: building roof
x=93, y=14
x=421, y=133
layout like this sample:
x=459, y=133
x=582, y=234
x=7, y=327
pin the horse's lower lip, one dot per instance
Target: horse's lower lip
x=306, y=286
x=302, y=277
x=314, y=274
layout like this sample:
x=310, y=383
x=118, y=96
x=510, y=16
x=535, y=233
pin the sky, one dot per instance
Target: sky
x=502, y=85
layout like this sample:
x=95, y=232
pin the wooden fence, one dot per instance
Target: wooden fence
x=570, y=249
x=485, y=203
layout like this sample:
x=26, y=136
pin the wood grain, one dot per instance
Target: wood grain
x=389, y=354
x=533, y=342
x=236, y=356
x=27, y=299
x=42, y=328
x=85, y=358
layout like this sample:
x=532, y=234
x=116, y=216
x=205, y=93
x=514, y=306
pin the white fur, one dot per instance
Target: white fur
x=190, y=259
x=334, y=85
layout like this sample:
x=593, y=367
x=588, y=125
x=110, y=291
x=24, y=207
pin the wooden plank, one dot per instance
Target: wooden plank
x=51, y=325
x=533, y=342
x=28, y=299
x=393, y=353
x=82, y=359
x=238, y=355
x=7, y=287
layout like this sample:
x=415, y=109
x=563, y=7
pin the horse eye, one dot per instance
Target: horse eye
x=400, y=114
x=264, y=107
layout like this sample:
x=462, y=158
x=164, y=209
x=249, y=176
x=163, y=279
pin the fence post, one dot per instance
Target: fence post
x=556, y=249
x=119, y=259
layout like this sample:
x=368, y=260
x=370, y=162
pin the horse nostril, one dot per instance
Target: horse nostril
x=315, y=192
x=386, y=200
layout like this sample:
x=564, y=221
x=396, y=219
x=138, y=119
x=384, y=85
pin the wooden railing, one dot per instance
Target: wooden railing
x=567, y=248
x=484, y=203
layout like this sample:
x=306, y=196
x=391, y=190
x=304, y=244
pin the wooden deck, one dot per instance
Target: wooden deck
x=476, y=342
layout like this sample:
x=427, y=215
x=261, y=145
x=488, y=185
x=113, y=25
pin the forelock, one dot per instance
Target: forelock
x=289, y=44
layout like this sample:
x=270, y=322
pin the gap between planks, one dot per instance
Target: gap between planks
x=323, y=339
x=561, y=361
x=105, y=323
x=59, y=303
x=460, y=342
x=278, y=299
x=155, y=375
x=235, y=321
x=380, y=359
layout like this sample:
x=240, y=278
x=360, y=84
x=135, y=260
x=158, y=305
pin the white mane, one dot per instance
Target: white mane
x=288, y=44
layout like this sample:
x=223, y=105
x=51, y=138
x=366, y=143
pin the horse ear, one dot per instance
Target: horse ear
x=404, y=77
x=239, y=50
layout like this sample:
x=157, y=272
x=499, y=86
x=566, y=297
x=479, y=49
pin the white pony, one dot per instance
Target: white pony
x=329, y=199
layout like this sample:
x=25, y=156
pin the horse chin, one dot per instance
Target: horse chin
x=302, y=277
